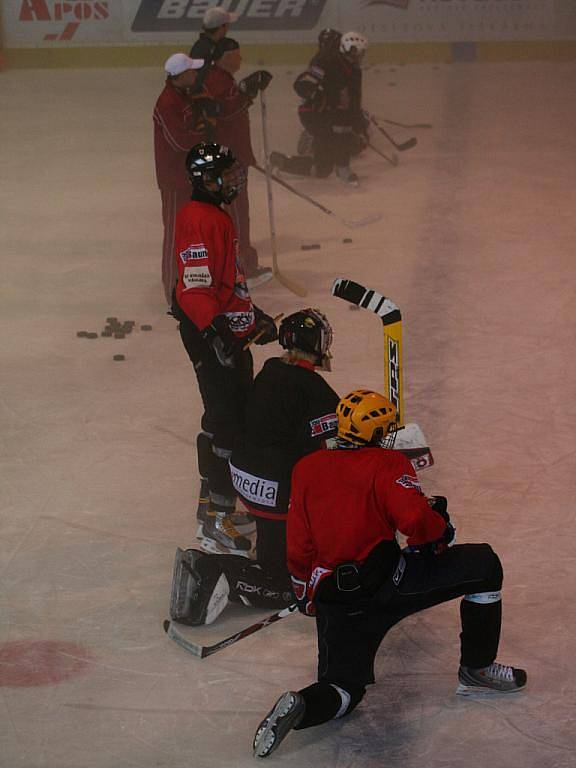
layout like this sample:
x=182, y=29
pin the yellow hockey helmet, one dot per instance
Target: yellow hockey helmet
x=367, y=418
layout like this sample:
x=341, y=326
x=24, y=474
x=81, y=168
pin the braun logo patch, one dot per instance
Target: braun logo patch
x=323, y=425
x=255, y=489
x=408, y=481
x=194, y=252
x=186, y=15
x=196, y=277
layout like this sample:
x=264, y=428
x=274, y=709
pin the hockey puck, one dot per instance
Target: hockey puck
x=119, y=357
x=81, y=334
x=310, y=247
x=145, y=327
x=91, y=335
x=347, y=240
x=391, y=84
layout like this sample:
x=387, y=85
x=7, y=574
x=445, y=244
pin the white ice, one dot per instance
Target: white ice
x=98, y=466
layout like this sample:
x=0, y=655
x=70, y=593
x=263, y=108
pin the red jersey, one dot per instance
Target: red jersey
x=175, y=133
x=232, y=124
x=210, y=279
x=344, y=502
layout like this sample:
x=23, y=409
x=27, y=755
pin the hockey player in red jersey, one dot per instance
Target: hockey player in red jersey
x=346, y=506
x=290, y=412
x=217, y=319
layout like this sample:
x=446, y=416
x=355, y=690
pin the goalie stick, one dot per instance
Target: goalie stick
x=202, y=651
x=408, y=144
x=293, y=286
x=391, y=318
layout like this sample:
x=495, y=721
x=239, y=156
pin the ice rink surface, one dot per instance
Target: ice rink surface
x=98, y=466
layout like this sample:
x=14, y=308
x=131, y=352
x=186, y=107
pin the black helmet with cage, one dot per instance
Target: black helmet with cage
x=329, y=40
x=215, y=172
x=308, y=331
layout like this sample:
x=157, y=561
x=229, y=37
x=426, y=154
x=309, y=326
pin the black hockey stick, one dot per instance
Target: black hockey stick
x=352, y=223
x=392, y=160
x=400, y=147
x=201, y=651
x=408, y=125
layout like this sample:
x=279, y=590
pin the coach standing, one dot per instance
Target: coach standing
x=179, y=124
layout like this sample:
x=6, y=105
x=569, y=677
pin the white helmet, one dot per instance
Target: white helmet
x=354, y=45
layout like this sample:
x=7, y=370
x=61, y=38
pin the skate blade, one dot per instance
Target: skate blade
x=212, y=547
x=477, y=690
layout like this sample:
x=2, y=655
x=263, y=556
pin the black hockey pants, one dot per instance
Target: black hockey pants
x=349, y=635
x=224, y=392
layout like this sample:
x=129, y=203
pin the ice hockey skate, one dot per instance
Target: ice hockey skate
x=497, y=678
x=347, y=176
x=284, y=715
x=218, y=535
x=241, y=520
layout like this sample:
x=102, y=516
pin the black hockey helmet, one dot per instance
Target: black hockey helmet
x=329, y=40
x=308, y=331
x=214, y=171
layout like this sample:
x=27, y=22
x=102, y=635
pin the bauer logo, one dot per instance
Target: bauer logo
x=255, y=489
x=323, y=425
x=408, y=481
x=194, y=252
x=186, y=15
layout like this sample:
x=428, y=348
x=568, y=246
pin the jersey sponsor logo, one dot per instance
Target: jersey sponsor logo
x=194, y=252
x=259, y=490
x=409, y=481
x=186, y=15
x=240, y=322
x=324, y=424
x=196, y=277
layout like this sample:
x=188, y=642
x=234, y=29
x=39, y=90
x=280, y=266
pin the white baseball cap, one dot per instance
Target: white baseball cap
x=215, y=17
x=179, y=62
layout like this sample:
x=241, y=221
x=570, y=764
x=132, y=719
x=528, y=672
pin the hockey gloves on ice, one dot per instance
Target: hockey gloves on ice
x=227, y=347
x=257, y=81
x=265, y=330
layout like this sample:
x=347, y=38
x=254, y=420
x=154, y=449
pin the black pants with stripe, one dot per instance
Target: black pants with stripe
x=349, y=635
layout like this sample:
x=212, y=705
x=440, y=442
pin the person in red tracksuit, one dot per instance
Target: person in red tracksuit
x=232, y=129
x=216, y=320
x=346, y=506
x=181, y=115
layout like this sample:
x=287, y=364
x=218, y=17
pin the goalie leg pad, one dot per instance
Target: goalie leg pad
x=200, y=588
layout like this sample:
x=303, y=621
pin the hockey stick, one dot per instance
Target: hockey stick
x=404, y=125
x=392, y=160
x=201, y=651
x=351, y=223
x=400, y=147
x=391, y=318
x=256, y=336
x=296, y=288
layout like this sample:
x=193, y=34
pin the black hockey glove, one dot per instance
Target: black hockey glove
x=226, y=346
x=439, y=504
x=265, y=330
x=257, y=81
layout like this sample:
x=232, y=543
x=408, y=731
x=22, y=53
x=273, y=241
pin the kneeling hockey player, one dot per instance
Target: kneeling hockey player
x=347, y=569
x=290, y=413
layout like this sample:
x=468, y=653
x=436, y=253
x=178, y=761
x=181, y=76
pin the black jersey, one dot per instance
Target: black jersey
x=331, y=87
x=291, y=411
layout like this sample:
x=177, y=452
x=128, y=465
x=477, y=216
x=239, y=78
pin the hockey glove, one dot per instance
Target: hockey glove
x=265, y=330
x=304, y=605
x=224, y=343
x=257, y=81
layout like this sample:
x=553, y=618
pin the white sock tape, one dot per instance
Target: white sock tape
x=484, y=597
x=345, y=696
